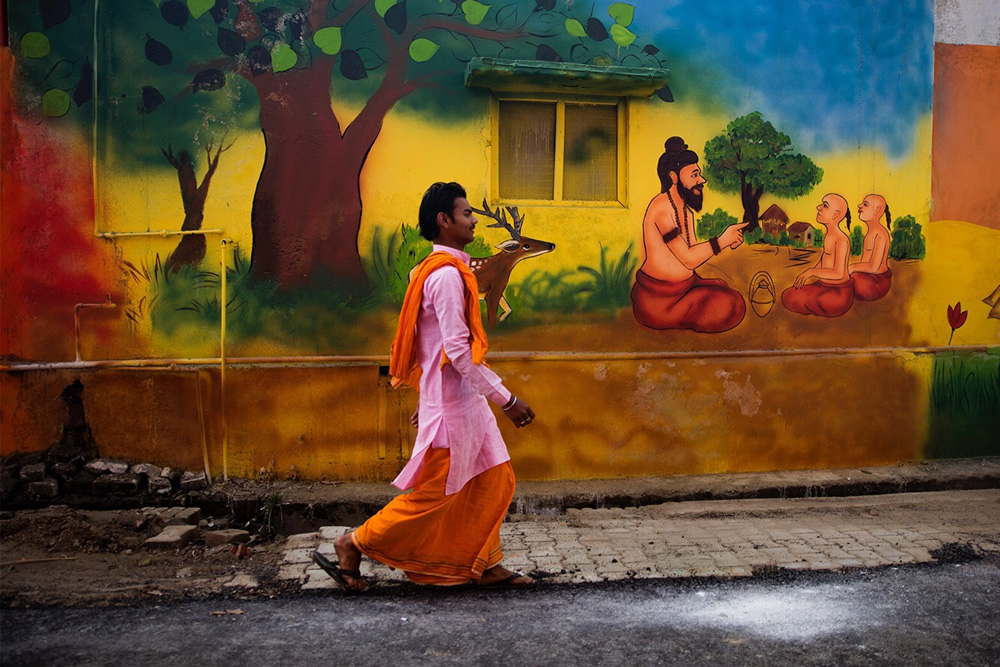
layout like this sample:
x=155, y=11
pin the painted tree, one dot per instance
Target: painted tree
x=191, y=248
x=302, y=59
x=752, y=157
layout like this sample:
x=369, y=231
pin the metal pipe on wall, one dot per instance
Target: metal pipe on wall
x=381, y=360
x=222, y=366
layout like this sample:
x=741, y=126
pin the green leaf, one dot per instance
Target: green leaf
x=157, y=3
x=422, y=50
x=328, y=40
x=603, y=61
x=199, y=7
x=55, y=103
x=475, y=12
x=575, y=28
x=622, y=13
x=283, y=58
x=35, y=45
x=621, y=35
x=382, y=6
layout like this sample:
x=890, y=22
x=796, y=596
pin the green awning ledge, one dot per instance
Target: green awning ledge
x=540, y=76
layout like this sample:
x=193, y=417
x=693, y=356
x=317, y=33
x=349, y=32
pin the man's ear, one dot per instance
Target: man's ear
x=443, y=219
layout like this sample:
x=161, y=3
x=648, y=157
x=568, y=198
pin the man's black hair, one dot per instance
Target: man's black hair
x=439, y=198
x=676, y=155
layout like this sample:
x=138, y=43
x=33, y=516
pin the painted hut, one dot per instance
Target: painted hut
x=774, y=220
x=802, y=232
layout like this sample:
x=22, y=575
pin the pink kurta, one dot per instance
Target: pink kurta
x=453, y=411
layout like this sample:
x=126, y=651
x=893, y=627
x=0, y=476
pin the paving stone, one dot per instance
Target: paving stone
x=82, y=482
x=332, y=532
x=214, y=538
x=193, y=481
x=33, y=472
x=179, y=516
x=160, y=486
x=299, y=556
x=295, y=572
x=64, y=472
x=46, y=489
x=173, y=537
x=302, y=540
x=116, y=485
x=8, y=481
x=102, y=466
x=242, y=580
x=147, y=469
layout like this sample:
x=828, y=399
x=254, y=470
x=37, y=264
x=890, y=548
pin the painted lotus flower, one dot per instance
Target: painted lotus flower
x=956, y=318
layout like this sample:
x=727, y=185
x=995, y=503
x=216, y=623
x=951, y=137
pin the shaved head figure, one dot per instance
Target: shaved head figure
x=826, y=289
x=871, y=274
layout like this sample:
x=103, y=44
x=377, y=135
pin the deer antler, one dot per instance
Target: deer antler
x=501, y=219
x=517, y=218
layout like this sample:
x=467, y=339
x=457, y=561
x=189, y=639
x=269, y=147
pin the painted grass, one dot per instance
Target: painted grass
x=965, y=405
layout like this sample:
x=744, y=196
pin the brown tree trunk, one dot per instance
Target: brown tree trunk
x=751, y=206
x=307, y=207
x=191, y=249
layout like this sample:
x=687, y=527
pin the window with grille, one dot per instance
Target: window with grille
x=559, y=151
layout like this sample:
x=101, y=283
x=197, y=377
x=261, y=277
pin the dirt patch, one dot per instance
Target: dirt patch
x=62, y=556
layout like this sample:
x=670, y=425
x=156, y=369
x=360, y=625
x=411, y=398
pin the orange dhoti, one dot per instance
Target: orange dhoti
x=871, y=286
x=439, y=539
x=820, y=298
x=700, y=304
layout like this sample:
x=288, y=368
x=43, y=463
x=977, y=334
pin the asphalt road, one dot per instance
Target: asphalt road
x=944, y=614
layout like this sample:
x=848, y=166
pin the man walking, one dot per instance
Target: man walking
x=447, y=530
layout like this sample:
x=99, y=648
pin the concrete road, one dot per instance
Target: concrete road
x=933, y=614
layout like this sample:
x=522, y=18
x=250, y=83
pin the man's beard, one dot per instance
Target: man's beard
x=691, y=198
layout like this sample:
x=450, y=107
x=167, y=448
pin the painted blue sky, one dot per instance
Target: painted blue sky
x=829, y=73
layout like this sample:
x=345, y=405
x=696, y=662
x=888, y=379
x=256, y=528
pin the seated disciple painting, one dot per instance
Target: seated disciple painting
x=872, y=275
x=826, y=289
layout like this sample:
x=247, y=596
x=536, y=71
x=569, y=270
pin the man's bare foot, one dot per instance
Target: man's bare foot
x=349, y=558
x=500, y=577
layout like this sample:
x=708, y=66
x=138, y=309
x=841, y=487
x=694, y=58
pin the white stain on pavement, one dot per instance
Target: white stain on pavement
x=778, y=613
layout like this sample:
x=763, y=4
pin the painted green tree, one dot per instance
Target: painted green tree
x=752, y=157
x=714, y=223
x=286, y=66
x=857, y=241
x=907, y=239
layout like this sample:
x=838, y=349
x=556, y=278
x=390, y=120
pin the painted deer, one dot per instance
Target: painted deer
x=493, y=273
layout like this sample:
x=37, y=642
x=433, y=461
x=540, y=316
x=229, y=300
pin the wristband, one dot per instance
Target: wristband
x=714, y=242
x=510, y=403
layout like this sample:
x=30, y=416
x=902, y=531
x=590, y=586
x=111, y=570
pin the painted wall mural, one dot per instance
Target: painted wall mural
x=195, y=180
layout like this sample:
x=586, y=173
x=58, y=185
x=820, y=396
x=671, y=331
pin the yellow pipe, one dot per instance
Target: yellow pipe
x=162, y=232
x=382, y=360
x=204, y=427
x=222, y=368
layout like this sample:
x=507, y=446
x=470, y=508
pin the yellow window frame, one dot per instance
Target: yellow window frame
x=560, y=150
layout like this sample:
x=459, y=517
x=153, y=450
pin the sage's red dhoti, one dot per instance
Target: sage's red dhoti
x=701, y=304
x=436, y=538
x=871, y=286
x=820, y=298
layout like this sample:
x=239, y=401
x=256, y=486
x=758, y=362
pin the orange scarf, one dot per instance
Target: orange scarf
x=403, y=365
